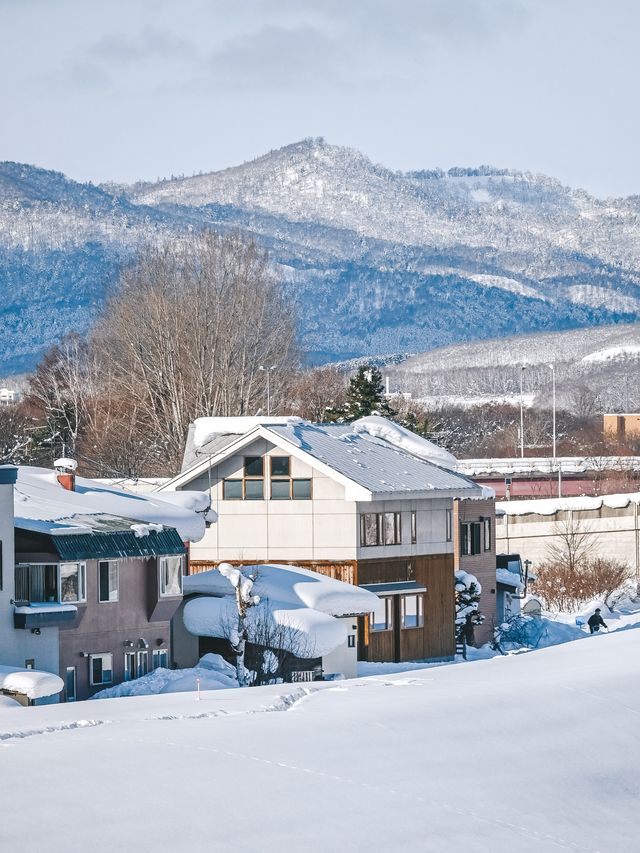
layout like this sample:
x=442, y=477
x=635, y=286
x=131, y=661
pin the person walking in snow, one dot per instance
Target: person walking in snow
x=594, y=622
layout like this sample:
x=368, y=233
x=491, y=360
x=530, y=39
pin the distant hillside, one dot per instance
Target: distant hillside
x=377, y=261
x=596, y=370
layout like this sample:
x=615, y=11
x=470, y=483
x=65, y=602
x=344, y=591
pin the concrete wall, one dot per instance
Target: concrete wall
x=614, y=532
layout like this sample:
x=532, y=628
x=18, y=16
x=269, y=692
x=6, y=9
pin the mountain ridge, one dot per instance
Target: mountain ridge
x=377, y=261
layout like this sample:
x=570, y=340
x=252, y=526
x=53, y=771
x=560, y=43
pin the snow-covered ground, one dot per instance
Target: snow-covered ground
x=531, y=752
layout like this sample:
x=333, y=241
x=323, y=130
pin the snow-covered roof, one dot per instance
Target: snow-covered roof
x=291, y=584
x=549, y=506
x=33, y=683
x=546, y=465
x=41, y=504
x=301, y=605
x=379, y=456
x=504, y=576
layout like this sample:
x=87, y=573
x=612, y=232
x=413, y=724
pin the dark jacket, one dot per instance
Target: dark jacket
x=594, y=622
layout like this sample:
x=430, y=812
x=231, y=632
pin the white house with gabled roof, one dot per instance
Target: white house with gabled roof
x=369, y=503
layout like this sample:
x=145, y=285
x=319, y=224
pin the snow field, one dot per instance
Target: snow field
x=535, y=752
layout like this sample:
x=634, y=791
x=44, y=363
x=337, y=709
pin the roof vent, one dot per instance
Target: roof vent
x=66, y=473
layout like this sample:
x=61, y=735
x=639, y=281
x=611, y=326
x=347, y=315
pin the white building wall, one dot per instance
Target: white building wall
x=344, y=659
x=323, y=528
x=19, y=645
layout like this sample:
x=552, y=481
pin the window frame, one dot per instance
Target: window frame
x=155, y=653
x=414, y=527
x=487, y=538
x=419, y=597
x=161, y=584
x=109, y=564
x=381, y=529
x=470, y=538
x=130, y=671
x=448, y=532
x=388, y=616
x=71, y=670
x=273, y=474
x=23, y=570
x=142, y=655
x=94, y=657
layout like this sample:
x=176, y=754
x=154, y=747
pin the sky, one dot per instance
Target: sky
x=130, y=90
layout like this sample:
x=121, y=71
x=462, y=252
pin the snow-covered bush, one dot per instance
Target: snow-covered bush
x=468, y=591
x=519, y=632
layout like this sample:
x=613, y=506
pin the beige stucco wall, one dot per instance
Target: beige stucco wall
x=323, y=528
x=614, y=533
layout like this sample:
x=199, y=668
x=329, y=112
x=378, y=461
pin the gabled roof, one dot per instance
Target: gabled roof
x=371, y=468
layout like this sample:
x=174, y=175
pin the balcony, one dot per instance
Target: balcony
x=43, y=615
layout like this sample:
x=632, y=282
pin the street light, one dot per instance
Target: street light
x=552, y=367
x=523, y=367
x=268, y=370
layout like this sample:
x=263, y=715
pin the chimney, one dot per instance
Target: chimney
x=66, y=473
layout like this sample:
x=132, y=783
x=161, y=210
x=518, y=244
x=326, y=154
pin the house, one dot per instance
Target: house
x=622, y=426
x=368, y=503
x=93, y=577
x=304, y=626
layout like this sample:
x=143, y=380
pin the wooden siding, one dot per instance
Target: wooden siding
x=436, y=639
x=345, y=571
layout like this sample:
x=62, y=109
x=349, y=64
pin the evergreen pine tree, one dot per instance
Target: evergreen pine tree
x=366, y=395
x=468, y=590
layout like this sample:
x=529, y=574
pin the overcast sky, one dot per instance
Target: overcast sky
x=138, y=89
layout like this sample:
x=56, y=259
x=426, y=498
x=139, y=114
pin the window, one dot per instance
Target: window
x=160, y=657
x=129, y=666
x=73, y=582
x=70, y=681
x=301, y=490
x=414, y=527
x=449, y=525
x=253, y=466
x=382, y=617
x=351, y=641
x=283, y=487
x=280, y=466
x=49, y=582
x=30, y=663
x=251, y=487
x=470, y=538
x=412, y=611
x=100, y=669
x=487, y=533
x=143, y=663
x=107, y=580
x=170, y=576
x=380, y=528
x=232, y=490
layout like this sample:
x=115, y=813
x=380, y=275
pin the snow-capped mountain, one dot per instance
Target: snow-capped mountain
x=377, y=261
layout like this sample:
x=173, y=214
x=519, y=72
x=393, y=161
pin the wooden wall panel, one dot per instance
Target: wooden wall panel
x=343, y=571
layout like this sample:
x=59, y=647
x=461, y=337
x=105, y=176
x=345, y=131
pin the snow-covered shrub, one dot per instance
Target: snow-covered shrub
x=467, y=591
x=519, y=632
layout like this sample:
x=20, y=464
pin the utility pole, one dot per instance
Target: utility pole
x=552, y=367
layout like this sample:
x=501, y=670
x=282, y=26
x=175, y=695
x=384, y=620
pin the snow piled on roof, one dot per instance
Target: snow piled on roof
x=32, y=683
x=549, y=506
x=293, y=585
x=546, y=465
x=508, y=578
x=299, y=605
x=301, y=630
x=398, y=436
x=38, y=497
x=206, y=428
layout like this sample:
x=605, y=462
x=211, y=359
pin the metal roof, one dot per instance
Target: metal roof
x=193, y=454
x=373, y=463
x=96, y=546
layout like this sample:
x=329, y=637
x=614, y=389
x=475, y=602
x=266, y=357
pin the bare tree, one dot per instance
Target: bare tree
x=189, y=328
x=572, y=543
x=314, y=391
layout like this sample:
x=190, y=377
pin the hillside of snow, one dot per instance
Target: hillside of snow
x=377, y=261
x=529, y=753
